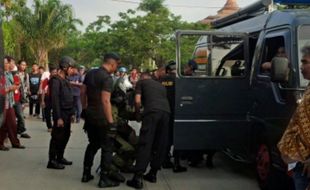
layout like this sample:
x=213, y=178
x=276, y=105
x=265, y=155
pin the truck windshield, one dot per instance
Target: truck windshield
x=303, y=39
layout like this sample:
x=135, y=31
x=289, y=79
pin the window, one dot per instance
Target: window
x=212, y=56
x=274, y=47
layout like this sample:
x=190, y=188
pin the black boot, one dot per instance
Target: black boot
x=87, y=175
x=116, y=176
x=136, y=182
x=105, y=181
x=53, y=164
x=64, y=161
x=151, y=176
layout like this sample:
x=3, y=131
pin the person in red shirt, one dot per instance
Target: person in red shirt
x=9, y=126
x=19, y=97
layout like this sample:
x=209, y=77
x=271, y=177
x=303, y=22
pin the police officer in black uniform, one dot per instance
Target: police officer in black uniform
x=63, y=110
x=168, y=81
x=154, y=131
x=99, y=124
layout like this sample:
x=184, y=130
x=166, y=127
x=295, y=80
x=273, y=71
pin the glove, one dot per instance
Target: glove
x=112, y=129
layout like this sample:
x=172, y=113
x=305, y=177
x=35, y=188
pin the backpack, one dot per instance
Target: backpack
x=65, y=93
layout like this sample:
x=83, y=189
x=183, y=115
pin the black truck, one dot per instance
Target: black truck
x=236, y=100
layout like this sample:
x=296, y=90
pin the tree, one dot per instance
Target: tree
x=151, y=5
x=46, y=27
x=13, y=40
x=140, y=40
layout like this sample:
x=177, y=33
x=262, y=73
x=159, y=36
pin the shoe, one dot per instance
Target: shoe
x=53, y=164
x=116, y=176
x=167, y=164
x=136, y=182
x=18, y=146
x=64, y=161
x=4, y=148
x=106, y=182
x=179, y=169
x=25, y=135
x=87, y=177
x=150, y=177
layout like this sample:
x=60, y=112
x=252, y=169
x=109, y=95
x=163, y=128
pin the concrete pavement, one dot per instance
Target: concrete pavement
x=26, y=169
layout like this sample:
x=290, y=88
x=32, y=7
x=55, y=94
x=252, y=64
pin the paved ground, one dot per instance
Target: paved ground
x=26, y=169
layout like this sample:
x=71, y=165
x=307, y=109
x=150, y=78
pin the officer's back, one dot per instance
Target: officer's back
x=95, y=80
x=153, y=94
x=168, y=81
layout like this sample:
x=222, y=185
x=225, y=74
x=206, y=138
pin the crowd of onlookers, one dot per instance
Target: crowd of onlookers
x=28, y=87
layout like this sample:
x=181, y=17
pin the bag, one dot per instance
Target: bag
x=295, y=142
x=65, y=93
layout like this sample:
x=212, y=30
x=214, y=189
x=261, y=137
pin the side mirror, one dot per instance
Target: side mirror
x=279, y=69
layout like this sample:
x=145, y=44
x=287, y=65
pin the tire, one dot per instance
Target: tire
x=263, y=166
x=269, y=177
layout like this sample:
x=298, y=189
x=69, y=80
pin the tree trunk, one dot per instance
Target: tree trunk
x=42, y=57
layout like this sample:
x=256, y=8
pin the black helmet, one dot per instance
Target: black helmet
x=111, y=55
x=170, y=66
x=66, y=62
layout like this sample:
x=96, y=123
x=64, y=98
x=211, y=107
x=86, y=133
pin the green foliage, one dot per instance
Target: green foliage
x=46, y=27
x=142, y=41
x=9, y=38
x=47, y=31
x=151, y=5
x=11, y=7
x=38, y=30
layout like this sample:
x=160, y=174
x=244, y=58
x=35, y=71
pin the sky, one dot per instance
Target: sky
x=192, y=11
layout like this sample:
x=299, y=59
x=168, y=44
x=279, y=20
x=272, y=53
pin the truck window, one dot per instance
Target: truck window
x=212, y=56
x=273, y=47
x=303, y=40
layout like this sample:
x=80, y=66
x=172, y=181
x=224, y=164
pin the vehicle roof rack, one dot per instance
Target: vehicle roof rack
x=292, y=2
x=258, y=8
x=250, y=11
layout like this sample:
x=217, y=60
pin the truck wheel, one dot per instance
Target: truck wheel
x=263, y=166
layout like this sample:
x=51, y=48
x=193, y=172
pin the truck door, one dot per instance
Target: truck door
x=212, y=90
x=274, y=102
